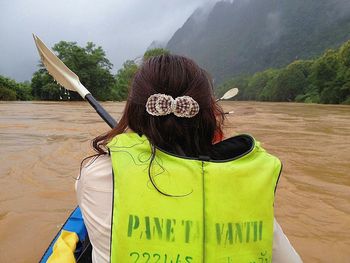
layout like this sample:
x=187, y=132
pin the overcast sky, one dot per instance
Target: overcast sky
x=124, y=28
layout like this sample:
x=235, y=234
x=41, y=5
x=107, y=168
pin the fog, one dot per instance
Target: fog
x=123, y=28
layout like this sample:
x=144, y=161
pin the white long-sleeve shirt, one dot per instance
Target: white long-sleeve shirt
x=95, y=192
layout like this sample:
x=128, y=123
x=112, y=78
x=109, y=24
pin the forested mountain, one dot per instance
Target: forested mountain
x=245, y=36
x=322, y=80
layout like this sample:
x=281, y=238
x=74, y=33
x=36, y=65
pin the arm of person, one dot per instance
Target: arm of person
x=283, y=251
x=94, y=190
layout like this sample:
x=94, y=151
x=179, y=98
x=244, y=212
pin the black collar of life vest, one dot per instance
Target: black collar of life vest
x=227, y=150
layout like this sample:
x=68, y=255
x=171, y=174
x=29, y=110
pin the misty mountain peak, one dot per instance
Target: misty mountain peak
x=245, y=36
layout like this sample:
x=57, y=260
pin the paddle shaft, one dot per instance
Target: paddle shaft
x=101, y=111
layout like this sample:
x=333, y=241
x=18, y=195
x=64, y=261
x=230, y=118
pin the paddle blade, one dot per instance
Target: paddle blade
x=58, y=70
x=230, y=94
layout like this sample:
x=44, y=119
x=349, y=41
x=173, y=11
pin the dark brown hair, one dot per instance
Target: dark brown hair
x=175, y=76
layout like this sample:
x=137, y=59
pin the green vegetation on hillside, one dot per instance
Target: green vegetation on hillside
x=322, y=80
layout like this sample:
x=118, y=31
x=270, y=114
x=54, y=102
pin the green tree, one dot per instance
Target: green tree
x=257, y=83
x=7, y=94
x=123, y=80
x=324, y=70
x=89, y=63
x=343, y=76
x=22, y=91
x=291, y=82
x=344, y=54
x=267, y=93
x=42, y=85
x=155, y=52
x=124, y=76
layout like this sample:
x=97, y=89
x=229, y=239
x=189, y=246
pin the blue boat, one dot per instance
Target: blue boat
x=71, y=242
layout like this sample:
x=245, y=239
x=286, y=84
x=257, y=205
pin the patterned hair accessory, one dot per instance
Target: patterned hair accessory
x=161, y=104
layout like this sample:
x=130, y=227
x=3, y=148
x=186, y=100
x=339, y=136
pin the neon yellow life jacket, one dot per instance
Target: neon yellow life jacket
x=217, y=211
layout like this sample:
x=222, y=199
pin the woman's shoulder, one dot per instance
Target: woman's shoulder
x=97, y=174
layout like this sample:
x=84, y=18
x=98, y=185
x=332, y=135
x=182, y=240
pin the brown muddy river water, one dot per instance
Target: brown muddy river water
x=42, y=144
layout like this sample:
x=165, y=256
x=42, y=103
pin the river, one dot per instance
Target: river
x=42, y=144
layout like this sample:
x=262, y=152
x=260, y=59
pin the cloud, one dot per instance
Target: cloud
x=123, y=28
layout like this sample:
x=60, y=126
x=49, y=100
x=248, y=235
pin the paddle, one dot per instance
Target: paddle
x=229, y=94
x=69, y=80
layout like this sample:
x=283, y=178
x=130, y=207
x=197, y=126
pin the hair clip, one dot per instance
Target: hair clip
x=161, y=105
